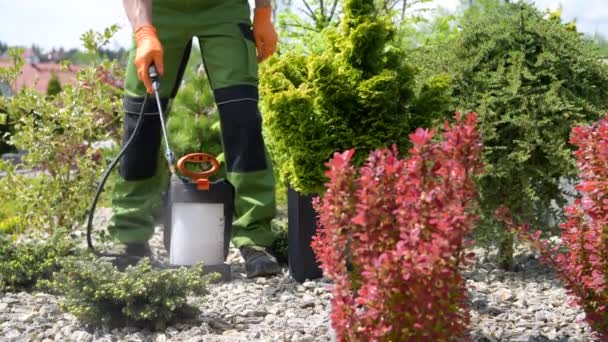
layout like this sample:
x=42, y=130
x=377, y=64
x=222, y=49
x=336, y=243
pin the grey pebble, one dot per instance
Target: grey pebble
x=81, y=336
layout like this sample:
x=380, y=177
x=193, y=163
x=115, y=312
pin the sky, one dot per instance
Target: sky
x=60, y=23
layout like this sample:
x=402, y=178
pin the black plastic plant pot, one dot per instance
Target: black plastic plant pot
x=302, y=226
x=220, y=194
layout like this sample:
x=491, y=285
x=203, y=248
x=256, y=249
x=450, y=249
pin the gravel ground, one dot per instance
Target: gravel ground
x=526, y=305
x=529, y=304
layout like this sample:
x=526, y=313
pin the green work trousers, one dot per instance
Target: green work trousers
x=223, y=29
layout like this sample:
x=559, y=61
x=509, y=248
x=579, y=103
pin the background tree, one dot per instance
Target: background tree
x=54, y=86
x=300, y=23
x=193, y=123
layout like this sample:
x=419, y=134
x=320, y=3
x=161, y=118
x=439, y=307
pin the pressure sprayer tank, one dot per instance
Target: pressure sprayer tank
x=199, y=213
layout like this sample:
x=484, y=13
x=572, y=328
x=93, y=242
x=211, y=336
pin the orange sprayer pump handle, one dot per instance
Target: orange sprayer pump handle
x=198, y=158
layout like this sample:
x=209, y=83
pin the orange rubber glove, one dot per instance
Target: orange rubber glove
x=263, y=32
x=149, y=51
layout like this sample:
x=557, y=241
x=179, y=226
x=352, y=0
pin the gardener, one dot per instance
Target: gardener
x=163, y=31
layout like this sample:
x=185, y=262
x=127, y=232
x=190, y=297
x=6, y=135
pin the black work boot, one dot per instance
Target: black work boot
x=258, y=262
x=138, y=249
x=129, y=254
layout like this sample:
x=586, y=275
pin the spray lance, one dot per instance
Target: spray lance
x=198, y=212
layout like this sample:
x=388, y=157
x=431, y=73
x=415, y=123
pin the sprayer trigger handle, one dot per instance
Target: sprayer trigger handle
x=198, y=158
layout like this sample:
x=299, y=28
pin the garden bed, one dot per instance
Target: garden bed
x=527, y=304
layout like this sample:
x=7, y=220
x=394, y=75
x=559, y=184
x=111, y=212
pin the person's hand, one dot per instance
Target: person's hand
x=264, y=34
x=149, y=51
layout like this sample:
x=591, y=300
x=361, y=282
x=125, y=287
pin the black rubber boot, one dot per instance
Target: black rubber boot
x=130, y=254
x=258, y=262
x=140, y=250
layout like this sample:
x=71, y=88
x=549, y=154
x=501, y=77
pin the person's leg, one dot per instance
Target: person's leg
x=230, y=59
x=143, y=176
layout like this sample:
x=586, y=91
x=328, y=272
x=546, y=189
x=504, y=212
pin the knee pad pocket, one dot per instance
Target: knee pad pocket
x=140, y=160
x=241, y=128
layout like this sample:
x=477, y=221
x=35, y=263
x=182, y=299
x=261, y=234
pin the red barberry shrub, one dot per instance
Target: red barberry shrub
x=581, y=259
x=392, y=237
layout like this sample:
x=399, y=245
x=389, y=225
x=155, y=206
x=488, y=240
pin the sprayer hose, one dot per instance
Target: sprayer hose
x=104, y=180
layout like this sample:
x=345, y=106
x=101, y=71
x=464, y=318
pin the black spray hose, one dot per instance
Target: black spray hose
x=156, y=85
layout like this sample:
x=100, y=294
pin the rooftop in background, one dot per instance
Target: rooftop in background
x=36, y=75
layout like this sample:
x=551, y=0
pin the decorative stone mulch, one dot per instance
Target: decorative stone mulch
x=528, y=304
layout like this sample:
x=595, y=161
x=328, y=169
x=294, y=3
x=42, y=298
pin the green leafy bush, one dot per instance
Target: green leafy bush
x=95, y=292
x=24, y=264
x=58, y=134
x=530, y=80
x=356, y=93
x=6, y=129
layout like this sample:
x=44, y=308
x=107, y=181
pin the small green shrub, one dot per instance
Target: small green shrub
x=94, y=290
x=57, y=133
x=96, y=293
x=24, y=264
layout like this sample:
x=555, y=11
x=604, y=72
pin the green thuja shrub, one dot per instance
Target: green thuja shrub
x=530, y=80
x=96, y=293
x=359, y=92
x=23, y=265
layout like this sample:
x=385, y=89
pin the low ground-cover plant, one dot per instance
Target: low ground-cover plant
x=93, y=289
x=24, y=264
x=581, y=260
x=96, y=293
x=392, y=237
